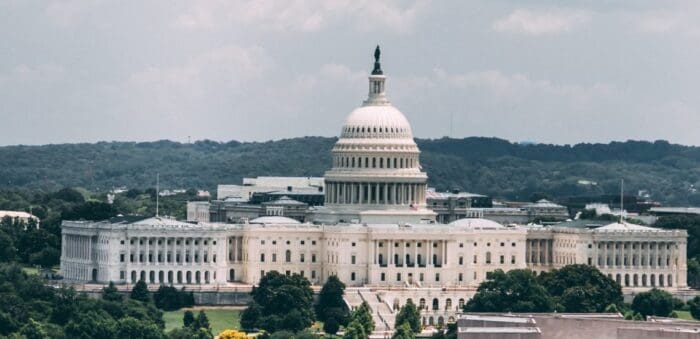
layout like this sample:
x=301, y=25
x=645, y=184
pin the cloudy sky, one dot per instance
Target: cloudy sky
x=529, y=70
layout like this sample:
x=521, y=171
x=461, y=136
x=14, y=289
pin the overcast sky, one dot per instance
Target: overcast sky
x=545, y=71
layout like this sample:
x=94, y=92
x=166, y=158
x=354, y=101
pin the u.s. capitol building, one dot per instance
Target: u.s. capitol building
x=374, y=232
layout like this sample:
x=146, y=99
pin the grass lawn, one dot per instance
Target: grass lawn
x=30, y=270
x=684, y=315
x=219, y=319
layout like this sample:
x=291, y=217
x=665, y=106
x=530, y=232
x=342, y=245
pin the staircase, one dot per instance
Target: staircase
x=382, y=314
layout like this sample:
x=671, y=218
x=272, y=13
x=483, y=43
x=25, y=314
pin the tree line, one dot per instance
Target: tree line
x=669, y=172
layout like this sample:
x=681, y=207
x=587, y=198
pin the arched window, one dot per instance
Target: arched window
x=381, y=259
x=288, y=256
x=396, y=304
x=627, y=280
x=644, y=280
x=421, y=304
x=669, y=281
x=448, y=304
x=460, y=304
x=436, y=304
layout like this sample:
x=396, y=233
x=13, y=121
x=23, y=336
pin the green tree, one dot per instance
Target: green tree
x=355, y=330
x=34, y=330
x=363, y=316
x=694, y=307
x=135, y=329
x=581, y=288
x=202, y=321
x=654, y=302
x=514, y=291
x=188, y=319
x=408, y=314
x=140, y=292
x=403, y=332
x=110, y=293
x=169, y=298
x=331, y=308
x=280, y=302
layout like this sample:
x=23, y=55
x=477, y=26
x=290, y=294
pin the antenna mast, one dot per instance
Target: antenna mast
x=157, y=191
x=622, y=199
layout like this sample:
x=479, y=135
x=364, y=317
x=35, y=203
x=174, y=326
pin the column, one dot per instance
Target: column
x=386, y=194
x=390, y=252
x=429, y=260
x=376, y=193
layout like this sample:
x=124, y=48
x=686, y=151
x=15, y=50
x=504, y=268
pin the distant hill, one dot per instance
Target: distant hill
x=491, y=166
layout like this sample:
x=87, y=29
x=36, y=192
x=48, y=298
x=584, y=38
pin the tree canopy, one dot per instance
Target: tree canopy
x=581, y=289
x=409, y=314
x=512, y=291
x=280, y=302
x=331, y=308
x=653, y=302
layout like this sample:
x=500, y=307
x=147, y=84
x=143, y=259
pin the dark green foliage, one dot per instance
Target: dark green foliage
x=363, y=316
x=110, y=293
x=485, y=165
x=280, y=302
x=581, y=289
x=408, y=314
x=282, y=335
x=355, y=330
x=331, y=308
x=188, y=319
x=514, y=291
x=202, y=321
x=169, y=298
x=654, y=302
x=694, y=307
x=403, y=332
x=133, y=328
x=140, y=292
x=35, y=310
x=91, y=210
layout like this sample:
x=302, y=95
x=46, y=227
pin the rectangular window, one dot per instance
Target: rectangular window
x=461, y=260
x=383, y=277
x=475, y=259
x=274, y=257
x=503, y=259
x=353, y=244
x=421, y=277
x=352, y=260
x=122, y=275
x=302, y=242
x=590, y=261
x=313, y=274
x=121, y=257
x=262, y=257
x=301, y=273
x=262, y=273
x=301, y=257
x=313, y=258
x=398, y=276
x=460, y=277
x=288, y=273
x=437, y=276
x=512, y=259
x=352, y=276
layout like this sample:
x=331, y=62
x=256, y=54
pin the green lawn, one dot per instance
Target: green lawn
x=30, y=270
x=684, y=315
x=220, y=319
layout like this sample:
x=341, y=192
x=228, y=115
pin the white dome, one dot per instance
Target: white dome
x=477, y=223
x=274, y=220
x=380, y=121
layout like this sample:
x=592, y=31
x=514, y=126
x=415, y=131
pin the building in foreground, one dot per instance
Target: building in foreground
x=375, y=232
x=571, y=325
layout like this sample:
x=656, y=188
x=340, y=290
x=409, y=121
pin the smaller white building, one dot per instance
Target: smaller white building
x=20, y=215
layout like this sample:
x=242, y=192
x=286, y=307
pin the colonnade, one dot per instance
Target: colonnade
x=171, y=250
x=636, y=254
x=431, y=253
x=375, y=193
x=343, y=161
x=538, y=251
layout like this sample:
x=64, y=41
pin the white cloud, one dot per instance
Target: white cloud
x=300, y=15
x=541, y=22
x=519, y=86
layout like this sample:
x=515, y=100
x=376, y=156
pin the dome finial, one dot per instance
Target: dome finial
x=377, y=66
